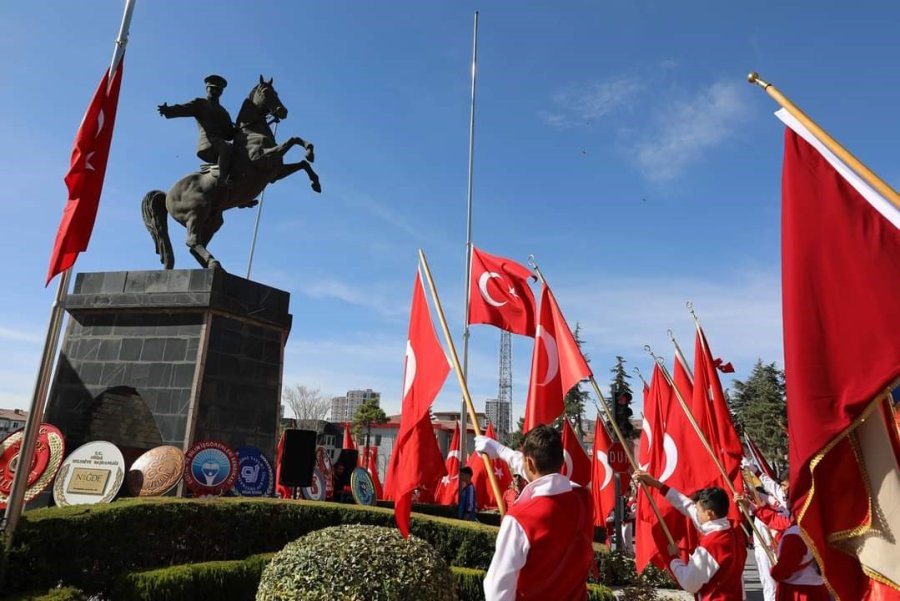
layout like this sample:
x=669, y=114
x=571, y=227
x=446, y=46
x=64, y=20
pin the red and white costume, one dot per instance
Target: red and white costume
x=770, y=520
x=796, y=572
x=714, y=571
x=544, y=548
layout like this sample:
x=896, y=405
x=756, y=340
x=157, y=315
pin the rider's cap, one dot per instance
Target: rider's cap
x=216, y=80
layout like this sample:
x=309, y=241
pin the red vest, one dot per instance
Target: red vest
x=560, y=530
x=728, y=548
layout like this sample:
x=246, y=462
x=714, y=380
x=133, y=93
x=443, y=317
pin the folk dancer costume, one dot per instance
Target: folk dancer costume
x=714, y=571
x=796, y=571
x=544, y=548
x=771, y=520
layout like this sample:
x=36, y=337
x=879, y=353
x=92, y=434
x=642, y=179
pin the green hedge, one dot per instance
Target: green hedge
x=104, y=542
x=237, y=581
x=67, y=593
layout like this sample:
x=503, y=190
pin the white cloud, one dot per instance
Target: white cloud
x=20, y=336
x=581, y=103
x=690, y=128
x=367, y=296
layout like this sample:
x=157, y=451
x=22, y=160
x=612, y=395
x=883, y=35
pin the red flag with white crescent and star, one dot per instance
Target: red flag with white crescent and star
x=448, y=489
x=576, y=463
x=500, y=295
x=603, y=489
x=87, y=168
x=372, y=468
x=416, y=461
x=484, y=495
x=556, y=365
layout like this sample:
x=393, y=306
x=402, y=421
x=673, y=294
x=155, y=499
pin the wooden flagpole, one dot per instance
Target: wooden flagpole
x=489, y=466
x=612, y=422
x=709, y=449
x=833, y=145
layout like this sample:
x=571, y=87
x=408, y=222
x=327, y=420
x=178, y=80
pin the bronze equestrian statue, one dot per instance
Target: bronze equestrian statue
x=197, y=200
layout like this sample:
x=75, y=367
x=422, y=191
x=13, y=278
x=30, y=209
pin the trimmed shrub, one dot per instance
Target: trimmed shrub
x=220, y=580
x=357, y=563
x=137, y=534
x=618, y=569
x=65, y=593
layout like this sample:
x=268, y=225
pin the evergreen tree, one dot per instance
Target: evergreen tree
x=620, y=398
x=515, y=440
x=760, y=411
x=369, y=413
x=576, y=398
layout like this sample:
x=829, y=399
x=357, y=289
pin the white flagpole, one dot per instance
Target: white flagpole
x=465, y=365
x=16, y=501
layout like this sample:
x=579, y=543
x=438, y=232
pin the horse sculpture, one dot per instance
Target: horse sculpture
x=197, y=203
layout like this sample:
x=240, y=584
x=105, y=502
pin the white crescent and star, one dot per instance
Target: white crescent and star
x=670, y=449
x=410, y=375
x=552, y=355
x=452, y=454
x=603, y=458
x=567, y=464
x=482, y=287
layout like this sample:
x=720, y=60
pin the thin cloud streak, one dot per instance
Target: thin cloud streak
x=579, y=104
x=689, y=129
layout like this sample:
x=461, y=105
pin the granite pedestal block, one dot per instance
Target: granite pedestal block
x=171, y=357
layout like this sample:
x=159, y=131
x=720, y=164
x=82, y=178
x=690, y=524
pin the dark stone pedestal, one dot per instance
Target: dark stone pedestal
x=170, y=357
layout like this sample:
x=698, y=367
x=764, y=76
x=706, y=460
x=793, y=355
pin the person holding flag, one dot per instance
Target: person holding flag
x=544, y=548
x=714, y=571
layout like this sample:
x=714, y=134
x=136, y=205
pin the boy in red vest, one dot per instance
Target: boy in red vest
x=714, y=571
x=544, y=548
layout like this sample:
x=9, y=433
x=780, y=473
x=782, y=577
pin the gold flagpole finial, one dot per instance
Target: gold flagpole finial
x=754, y=78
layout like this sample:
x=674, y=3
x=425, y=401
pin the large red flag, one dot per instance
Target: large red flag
x=416, y=460
x=87, y=168
x=484, y=495
x=556, y=365
x=602, y=488
x=714, y=418
x=372, y=468
x=577, y=464
x=681, y=375
x=280, y=489
x=840, y=264
x=500, y=295
x=448, y=489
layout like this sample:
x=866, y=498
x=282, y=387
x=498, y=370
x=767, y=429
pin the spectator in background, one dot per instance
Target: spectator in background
x=466, y=507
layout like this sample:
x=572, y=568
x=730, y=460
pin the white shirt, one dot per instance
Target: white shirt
x=700, y=566
x=512, y=546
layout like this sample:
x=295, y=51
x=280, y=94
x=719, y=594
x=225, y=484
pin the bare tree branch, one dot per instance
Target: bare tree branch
x=306, y=402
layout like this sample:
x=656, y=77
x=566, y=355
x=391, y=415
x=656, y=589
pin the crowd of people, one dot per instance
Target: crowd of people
x=544, y=548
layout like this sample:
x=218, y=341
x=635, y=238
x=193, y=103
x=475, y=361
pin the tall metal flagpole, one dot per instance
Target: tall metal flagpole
x=463, y=427
x=262, y=197
x=42, y=384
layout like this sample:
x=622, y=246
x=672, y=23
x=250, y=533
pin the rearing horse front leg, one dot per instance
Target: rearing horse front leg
x=292, y=168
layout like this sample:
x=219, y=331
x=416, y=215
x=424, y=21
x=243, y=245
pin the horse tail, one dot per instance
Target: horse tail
x=153, y=208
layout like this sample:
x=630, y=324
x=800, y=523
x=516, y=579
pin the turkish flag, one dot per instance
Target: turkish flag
x=603, y=489
x=840, y=265
x=484, y=496
x=556, y=365
x=500, y=294
x=576, y=464
x=719, y=427
x=667, y=441
x=760, y=459
x=372, y=468
x=348, y=438
x=681, y=375
x=87, y=168
x=416, y=460
x=448, y=489
x=280, y=489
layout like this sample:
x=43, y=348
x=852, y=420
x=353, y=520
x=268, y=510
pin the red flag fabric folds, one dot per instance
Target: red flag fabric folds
x=416, y=461
x=372, y=468
x=577, y=464
x=603, y=490
x=500, y=294
x=840, y=261
x=348, y=438
x=484, y=496
x=280, y=490
x=448, y=488
x=556, y=365
x=87, y=168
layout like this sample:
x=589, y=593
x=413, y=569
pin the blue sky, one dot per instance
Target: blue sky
x=616, y=141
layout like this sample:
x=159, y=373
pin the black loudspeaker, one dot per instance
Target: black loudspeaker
x=348, y=458
x=299, y=458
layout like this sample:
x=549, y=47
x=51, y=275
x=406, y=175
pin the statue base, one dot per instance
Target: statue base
x=171, y=357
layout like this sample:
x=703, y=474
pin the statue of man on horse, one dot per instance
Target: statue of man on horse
x=236, y=175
